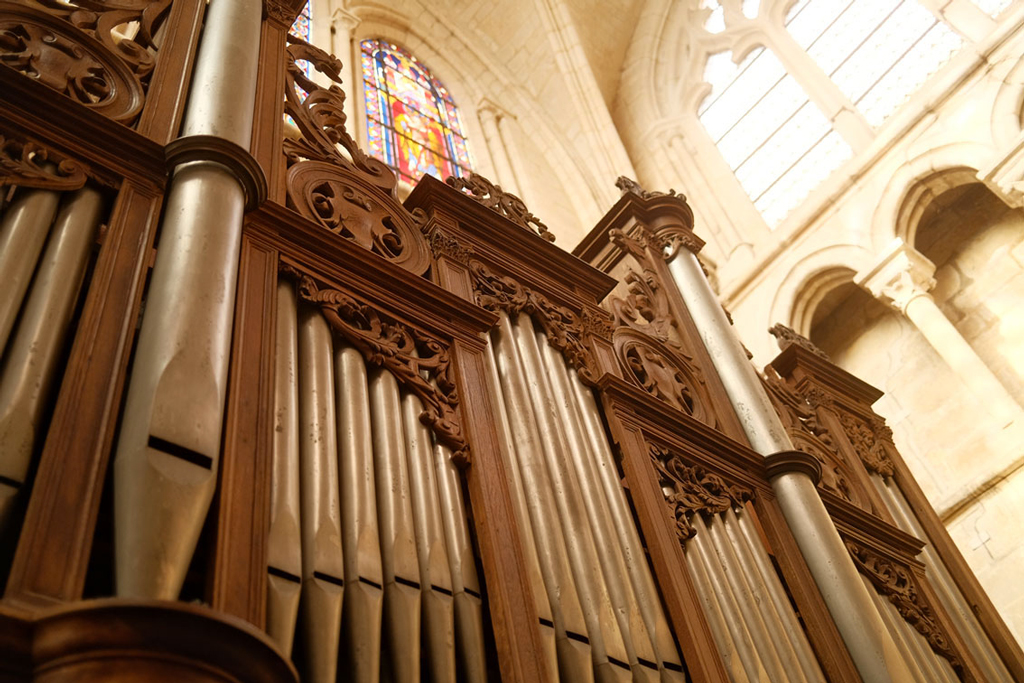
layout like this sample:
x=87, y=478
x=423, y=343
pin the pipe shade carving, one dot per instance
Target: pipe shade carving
x=27, y=164
x=504, y=203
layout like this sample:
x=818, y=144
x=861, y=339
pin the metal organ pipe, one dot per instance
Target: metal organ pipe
x=573, y=646
x=435, y=575
x=323, y=568
x=30, y=363
x=609, y=653
x=284, y=542
x=648, y=600
x=364, y=574
x=639, y=649
x=397, y=538
x=165, y=467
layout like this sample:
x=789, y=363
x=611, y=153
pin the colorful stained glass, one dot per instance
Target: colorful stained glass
x=301, y=28
x=413, y=125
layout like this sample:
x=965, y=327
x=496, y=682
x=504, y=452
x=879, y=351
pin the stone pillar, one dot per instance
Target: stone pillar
x=515, y=158
x=489, y=114
x=343, y=23
x=902, y=279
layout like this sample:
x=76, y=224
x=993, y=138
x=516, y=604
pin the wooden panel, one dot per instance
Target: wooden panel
x=239, y=581
x=50, y=562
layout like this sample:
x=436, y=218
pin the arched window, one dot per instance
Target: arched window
x=300, y=27
x=878, y=52
x=778, y=142
x=412, y=123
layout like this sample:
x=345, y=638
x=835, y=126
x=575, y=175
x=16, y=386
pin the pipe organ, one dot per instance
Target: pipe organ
x=262, y=421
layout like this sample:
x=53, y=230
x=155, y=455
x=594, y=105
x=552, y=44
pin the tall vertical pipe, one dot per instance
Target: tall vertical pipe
x=637, y=641
x=469, y=625
x=609, y=652
x=401, y=660
x=545, y=615
x=571, y=638
x=648, y=600
x=30, y=365
x=364, y=573
x=165, y=468
x=435, y=574
x=26, y=222
x=284, y=542
x=323, y=565
x=873, y=651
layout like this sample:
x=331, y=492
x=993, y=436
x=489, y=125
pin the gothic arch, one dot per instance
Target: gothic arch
x=811, y=279
x=907, y=193
x=1008, y=107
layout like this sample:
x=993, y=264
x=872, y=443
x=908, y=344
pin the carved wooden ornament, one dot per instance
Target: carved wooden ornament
x=505, y=203
x=27, y=164
x=352, y=196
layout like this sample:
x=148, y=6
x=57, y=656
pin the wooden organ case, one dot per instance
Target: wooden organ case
x=261, y=421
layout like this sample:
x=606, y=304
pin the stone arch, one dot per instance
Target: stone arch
x=1008, y=107
x=811, y=279
x=907, y=193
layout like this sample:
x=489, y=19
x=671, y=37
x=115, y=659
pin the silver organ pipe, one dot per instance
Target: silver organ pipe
x=284, y=541
x=30, y=361
x=322, y=564
x=364, y=573
x=402, y=594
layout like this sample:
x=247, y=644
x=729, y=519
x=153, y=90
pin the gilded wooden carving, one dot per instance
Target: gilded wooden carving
x=353, y=194
x=84, y=51
x=899, y=586
x=564, y=329
x=27, y=164
x=505, y=203
x=419, y=363
x=692, y=489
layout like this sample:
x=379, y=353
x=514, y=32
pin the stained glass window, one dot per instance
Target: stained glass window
x=779, y=144
x=412, y=123
x=878, y=52
x=302, y=29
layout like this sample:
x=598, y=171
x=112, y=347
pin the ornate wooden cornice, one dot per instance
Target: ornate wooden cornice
x=503, y=203
x=420, y=363
x=693, y=490
x=899, y=585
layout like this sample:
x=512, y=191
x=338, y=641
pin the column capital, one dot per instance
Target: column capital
x=901, y=275
x=345, y=20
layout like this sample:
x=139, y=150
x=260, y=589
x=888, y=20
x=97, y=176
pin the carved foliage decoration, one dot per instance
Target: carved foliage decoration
x=82, y=50
x=566, y=331
x=692, y=489
x=809, y=435
x=27, y=164
x=899, y=585
x=787, y=336
x=505, y=203
x=350, y=194
x=867, y=440
x=419, y=363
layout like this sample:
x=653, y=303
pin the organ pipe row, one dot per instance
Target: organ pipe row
x=381, y=583
x=46, y=238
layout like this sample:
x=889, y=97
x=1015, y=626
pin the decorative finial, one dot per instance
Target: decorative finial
x=628, y=185
x=787, y=336
x=505, y=203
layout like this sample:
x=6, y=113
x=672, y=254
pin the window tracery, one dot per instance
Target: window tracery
x=412, y=122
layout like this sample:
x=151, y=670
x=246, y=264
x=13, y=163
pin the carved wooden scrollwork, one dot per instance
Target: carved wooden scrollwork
x=351, y=195
x=899, y=585
x=505, y=203
x=787, y=336
x=867, y=441
x=27, y=164
x=809, y=435
x=419, y=363
x=692, y=489
x=564, y=329
x=80, y=50
x=664, y=372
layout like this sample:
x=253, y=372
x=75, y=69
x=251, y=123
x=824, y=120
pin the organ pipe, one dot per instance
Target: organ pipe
x=284, y=541
x=364, y=575
x=397, y=538
x=30, y=364
x=322, y=562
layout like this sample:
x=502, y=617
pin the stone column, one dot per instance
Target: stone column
x=515, y=158
x=343, y=23
x=902, y=279
x=871, y=647
x=489, y=114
